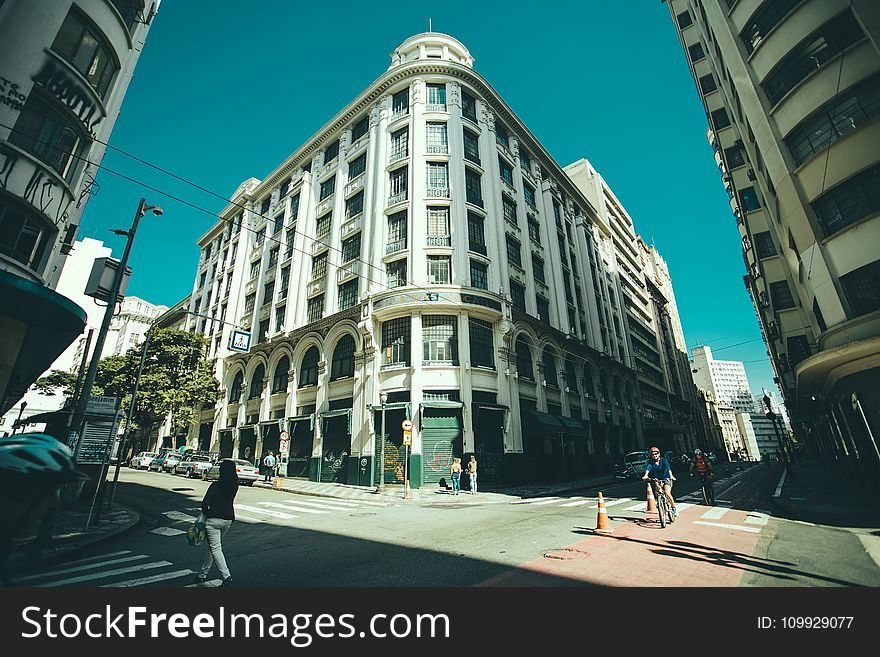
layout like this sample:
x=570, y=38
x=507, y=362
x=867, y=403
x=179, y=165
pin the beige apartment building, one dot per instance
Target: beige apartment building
x=791, y=90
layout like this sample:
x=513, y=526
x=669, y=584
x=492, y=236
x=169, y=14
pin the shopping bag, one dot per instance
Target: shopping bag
x=195, y=533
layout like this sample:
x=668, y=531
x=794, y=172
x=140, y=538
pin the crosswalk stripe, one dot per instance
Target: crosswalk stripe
x=149, y=580
x=274, y=514
x=578, y=503
x=167, y=531
x=98, y=556
x=289, y=507
x=754, y=530
x=333, y=500
x=177, y=515
x=65, y=571
x=622, y=500
x=681, y=506
x=535, y=501
x=248, y=519
x=211, y=583
x=371, y=503
x=715, y=512
x=641, y=506
x=757, y=518
x=106, y=573
x=322, y=505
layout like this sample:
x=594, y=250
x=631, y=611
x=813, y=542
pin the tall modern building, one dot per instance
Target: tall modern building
x=725, y=379
x=64, y=69
x=791, y=90
x=423, y=257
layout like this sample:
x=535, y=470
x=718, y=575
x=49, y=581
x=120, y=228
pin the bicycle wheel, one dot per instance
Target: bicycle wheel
x=706, y=497
x=662, y=505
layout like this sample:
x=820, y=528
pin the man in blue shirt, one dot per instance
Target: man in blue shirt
x=659, y=468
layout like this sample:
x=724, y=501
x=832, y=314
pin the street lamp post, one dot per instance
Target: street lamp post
x=78, y=416
x=20, y=413
x=383, y=398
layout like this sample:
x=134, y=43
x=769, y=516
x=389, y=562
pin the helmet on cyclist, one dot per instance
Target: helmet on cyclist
x=698, y=452
x=37, y=459
x=654, y=449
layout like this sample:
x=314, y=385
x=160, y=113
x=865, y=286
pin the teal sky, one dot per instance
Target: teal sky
x=226, y=90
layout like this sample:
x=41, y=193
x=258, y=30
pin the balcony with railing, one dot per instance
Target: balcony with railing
x=395, y=246
x=321, y=242
x=399, y=113
x=477, y=247
x=354, y=185
x=316, y=286
x=441, y=149
x=398, y=155
x=438, y=192
x=435, y=107
x=353, y=224
x=439, y=240
x=348, y=270
x=400, y=197
x=324, y=206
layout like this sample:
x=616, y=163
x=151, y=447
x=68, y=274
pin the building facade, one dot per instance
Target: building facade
x=791, y=90
x=725, y=379
x=64, y=71
x=421, y=257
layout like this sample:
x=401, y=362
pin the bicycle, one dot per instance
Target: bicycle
x=664, y=506
x=708, y=488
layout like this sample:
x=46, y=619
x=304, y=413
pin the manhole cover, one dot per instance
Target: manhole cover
x=565, y=554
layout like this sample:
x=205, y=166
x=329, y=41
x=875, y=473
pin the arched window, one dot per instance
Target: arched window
x=308, y=371
x=279, y=381
x=235, y=390
x=343, y=358
x=550, y=374
x=256, y=386
x=524, y=359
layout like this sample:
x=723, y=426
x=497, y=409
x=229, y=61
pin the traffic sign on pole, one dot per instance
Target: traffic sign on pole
x=407, y=425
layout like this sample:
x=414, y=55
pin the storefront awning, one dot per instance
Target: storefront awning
x=537, y=421
x=326, y=415
x=302, y=418
x=573, y=427
x=442, y=403
x=491, y=407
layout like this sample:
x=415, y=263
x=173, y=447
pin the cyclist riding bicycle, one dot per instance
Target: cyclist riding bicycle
x=659, y=468
x=702, y=464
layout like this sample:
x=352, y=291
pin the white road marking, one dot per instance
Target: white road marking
x=622, y=500
x=641, y=506
x=754, y=530
x=98, y=556
x=248, y=519
x=181, y=517
x=149, y=580
x=757, y=518
x=578, y=503
x=274, y=514
x=681, y=506
x=715, y=512
x=211, y=583
x=370, y=503
x=537, y=500
x=333, y=500
x=167, y=531
x=289, y=507
x=779, y=486
x=321, y=505
x=106, y=573
x=65, y=571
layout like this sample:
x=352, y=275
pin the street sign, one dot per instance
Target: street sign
x=407, y=425
x=407, y=437
x=240, y=341
x=284, y=443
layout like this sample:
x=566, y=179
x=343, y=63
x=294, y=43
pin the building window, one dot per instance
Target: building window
x=48, y=134
x=440, y=338
x=280, y=378
x=351, y=248
x=538, y=269
x=848, y=111
x=764, y=247
x=308, y=369
x=255, y=389
x=862, y=288
x=734, y=157
x=439, y=270
x=319, y=266
x=473, y=187
x=780, y=294
x=684, y=19
x=360, y=129
x=501, y=135
x=848, y=202
x=720, y=119
x=481, y=343
x=551, y=376
x=357, y=166
x=331, y=152
x=529, y=193
x=400, y=102
x=273, y=258
x=768, y=16
x=707, y=83
x=327, y=188
x=525, y=160
x=343, y=359
x=534, y=230
x=696, y=52
x=438, y=141
x=438, y=227
x=438, y=179
x=748, y=198
x=235, y=388
x=21, y=237
x=518, y=294
x=397, y=230
x=436, y=98
x=798, y=349
x=396, y=341
x=811, y=54
x=87, y=51
x=315, y=308
x=505, y=170
x=524, y=366
x=508, y=209
x=476, y=237
x=543, y=306
x=294, y=208
x=279, y=318
x=354, y=206
x=268, y=292
x=264, y=206
x=395, y=273
x=479, y=275
x=468, y=106
x=348, y=293
x=471, y=147
x=322, y=228
x=399, y=144
x=249, y=303
x=399, y=184
x=513, y=252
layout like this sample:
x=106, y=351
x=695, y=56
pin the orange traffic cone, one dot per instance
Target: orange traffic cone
x=407, y=495
x=652, y=503
x=602, y=522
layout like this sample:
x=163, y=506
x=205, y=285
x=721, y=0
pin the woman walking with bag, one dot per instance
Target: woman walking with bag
x=218, y=510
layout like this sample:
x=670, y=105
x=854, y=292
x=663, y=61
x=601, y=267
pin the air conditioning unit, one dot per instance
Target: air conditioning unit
x=516, y=375
x=544, y=384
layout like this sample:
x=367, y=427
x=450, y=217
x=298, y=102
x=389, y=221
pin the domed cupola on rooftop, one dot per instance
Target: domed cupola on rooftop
x=431, y=45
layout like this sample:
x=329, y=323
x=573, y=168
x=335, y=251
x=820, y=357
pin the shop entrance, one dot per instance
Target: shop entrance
x=489, y=443
x=225, y=444
x=301, y=436
x=247, y=444
x=336, y=448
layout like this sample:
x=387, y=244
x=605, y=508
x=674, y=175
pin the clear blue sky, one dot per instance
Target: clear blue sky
x=226, y=90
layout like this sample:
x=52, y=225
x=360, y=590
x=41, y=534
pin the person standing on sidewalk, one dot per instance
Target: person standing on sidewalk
x=472, y=473
x=269, y=465
x=219, y=513
x=455, y=473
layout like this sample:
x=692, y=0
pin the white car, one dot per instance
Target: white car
x=142, y=461
x=170, y=462
x=247, y=473
x=193, y=465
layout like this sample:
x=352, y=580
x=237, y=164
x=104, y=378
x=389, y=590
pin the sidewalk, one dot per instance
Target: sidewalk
x=813, y=493
x=68, y=536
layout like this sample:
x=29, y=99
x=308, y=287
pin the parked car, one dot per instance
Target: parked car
x=635, y=464
x=247, y=473
x=142, y=460
x=193, y=465
x=156, y=463
x=170, y=462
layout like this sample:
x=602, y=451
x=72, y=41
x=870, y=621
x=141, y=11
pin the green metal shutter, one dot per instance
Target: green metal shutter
x=441, y=440
x=489, y=444
x=335, y=450
x=301, y=437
